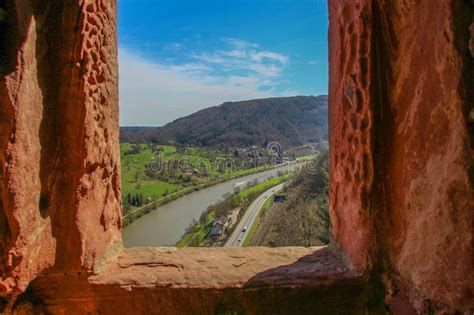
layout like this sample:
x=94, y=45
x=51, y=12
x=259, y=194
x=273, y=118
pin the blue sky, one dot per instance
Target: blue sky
x=177, y=57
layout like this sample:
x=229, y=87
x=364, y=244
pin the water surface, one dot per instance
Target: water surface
x=166, y=225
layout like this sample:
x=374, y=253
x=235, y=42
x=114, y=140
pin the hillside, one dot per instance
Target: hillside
x=289, y=120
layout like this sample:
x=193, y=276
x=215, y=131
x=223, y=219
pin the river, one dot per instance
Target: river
x=167, y=224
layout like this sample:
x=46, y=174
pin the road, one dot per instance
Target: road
x=238, y=236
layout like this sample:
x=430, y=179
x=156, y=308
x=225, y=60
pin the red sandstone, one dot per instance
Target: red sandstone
x=402, y=194
x=402, y=200
x=59, y=142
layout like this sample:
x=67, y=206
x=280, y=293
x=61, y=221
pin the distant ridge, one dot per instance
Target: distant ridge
x=289, y=120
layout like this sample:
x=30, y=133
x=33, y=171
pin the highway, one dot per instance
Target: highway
x=238, y=236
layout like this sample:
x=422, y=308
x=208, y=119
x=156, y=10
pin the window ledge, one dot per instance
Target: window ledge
x=226, y=267
x=209, y=280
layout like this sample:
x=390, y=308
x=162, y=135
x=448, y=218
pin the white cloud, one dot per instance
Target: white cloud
x=238, y=43
x=154, y=93
x=317, y=62
x=235, y=53
x=190, y=68
x=259, y=56
x=216, y=58
x=245, y=57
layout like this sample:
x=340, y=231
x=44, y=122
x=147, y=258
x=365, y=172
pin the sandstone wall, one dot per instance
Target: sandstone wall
x=401, y=122
x=351, y=126
x=60, y=175
x=406, y=68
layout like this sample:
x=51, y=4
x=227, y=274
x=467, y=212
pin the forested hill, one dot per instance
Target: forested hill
x=289, y=120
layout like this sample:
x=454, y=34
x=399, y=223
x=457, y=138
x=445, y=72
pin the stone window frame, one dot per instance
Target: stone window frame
x=70, y=152
x=60, y=214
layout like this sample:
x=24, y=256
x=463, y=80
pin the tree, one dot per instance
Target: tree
x=137, y=175
x=192, y=225
x=303, y=219
x=194, y=241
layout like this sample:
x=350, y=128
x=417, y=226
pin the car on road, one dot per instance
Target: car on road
x=244, y=229
x=239, y=240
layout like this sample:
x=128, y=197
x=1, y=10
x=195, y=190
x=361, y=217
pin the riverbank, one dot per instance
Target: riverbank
x=167, y=225
x=196, y=236
x=141, y=211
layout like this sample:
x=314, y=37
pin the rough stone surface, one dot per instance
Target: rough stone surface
x=208, y=281
x=411, y=209
x=351, y=128
x=402, y=200
x=59, y=155
x=427, y=148
x=226, y=267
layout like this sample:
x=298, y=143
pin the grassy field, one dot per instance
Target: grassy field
x=305, y=158
x=136, y=179
x=261, y=187
x=198, y=233
x=202, y=167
